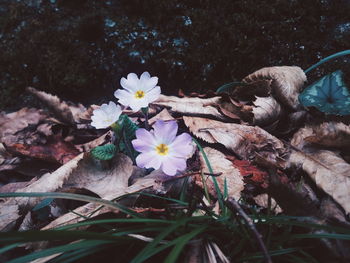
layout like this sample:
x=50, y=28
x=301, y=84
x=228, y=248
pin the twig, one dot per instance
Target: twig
x=234, y=206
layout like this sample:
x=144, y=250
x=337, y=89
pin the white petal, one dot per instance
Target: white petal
x=182, y=146
x=172, y=164
x=153, y=94
x=148, y=160
x=98, y=124
x=145, y=76
x=137, y=104
x=130, y=83
x=165, y=132
x=98, y=113
x=123, y=96
x=149, y=84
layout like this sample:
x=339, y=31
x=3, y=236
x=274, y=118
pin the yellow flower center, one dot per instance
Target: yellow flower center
x=139, y=94
x=162, y=149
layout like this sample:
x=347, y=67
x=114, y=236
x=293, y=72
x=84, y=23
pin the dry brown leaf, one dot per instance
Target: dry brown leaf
x=329, y=134
x=229, y=172
x=244, y=140
x=267, y=110
x=12, y=123
x=54, y=150
x=13, y=187
x=49, y=182
x=191, y=106
x=93, y=175
x=88, y=209
x=66, y=113
x=94, y=143
x=7, y=161
x=286, y=82
x=163, y=115
x=260, y=88
x=262, y=200
x=329, y=171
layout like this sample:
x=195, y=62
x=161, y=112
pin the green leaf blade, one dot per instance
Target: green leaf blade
x=104, y=152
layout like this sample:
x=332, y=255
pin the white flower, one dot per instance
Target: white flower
x=106, y=115
x=138, y=93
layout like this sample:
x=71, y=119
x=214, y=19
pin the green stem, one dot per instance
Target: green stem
x=216, y=185
x=336, y=55
x=145, y=113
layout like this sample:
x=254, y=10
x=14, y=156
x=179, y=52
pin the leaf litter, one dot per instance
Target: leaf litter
x=254, y=152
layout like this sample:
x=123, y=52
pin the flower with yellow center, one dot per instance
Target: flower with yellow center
x=106, y=115
x=137, y=92
x=160, y=148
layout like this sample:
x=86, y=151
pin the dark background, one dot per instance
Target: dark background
x=79, y=49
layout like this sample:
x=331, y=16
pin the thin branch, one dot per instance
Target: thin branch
x=233, y=205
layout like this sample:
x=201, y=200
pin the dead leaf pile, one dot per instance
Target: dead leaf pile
x=248, y=136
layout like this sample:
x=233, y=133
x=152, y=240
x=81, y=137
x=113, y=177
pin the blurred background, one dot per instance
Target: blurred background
x=79, y=49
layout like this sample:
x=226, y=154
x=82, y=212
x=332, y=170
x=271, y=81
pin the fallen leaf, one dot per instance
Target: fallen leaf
x=286, y=83
x=248, y=91
x=7, y=161
x=247, y=169
x=12, y=123
x=92, y=208
x=329, y=134
x=243, y=140
x=66, y=113
x=163, y=115
x=13, y=187
x=49, y=182
x=86, y=147
x=191, y=106
x=267, y=110
x=328, y=170
x=262, y=200
x=228, y=171
x=54, y=150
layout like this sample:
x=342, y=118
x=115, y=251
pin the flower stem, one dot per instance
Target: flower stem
x=336, y=55
x=145, y=113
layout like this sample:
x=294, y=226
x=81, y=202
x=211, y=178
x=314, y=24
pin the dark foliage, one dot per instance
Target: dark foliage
x=79, y=49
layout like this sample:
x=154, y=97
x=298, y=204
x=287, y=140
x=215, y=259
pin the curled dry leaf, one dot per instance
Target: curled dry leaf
x=260, y=88
x=244, y=140
x=12, y=123
x=329, y=171
x=286, y=83
x=229, y=172
x=64, y=112
x=266, y=111
x=329, y=134
x=191, y=106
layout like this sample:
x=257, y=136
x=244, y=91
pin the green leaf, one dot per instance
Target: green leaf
x=42, y=204
x=128, y=134
x=329, y=95
x=104, y=152
x=180, y=244
x=128, y=125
